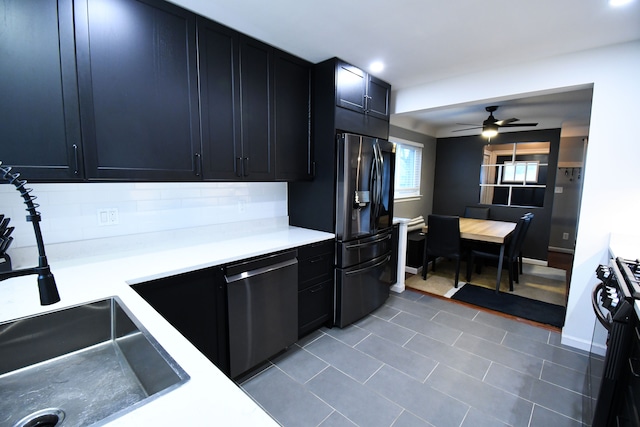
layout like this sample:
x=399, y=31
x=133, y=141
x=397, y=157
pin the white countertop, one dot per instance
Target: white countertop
x=209, y=397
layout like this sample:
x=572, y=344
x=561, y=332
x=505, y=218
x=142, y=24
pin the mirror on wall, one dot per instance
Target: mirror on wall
x=514, y=174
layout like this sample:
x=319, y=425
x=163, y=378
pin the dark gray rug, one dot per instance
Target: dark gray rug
x=514, y=305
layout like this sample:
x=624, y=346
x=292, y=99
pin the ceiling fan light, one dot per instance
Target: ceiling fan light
x=489, y=131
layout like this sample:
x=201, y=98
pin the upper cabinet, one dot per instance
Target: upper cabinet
x=256, y=161
x=361, y=92
x=219, y=66
x=138, y=89
x=236, y=93
x=255, y=104
x=40, y=129
x=143, y=90
x=292, y=82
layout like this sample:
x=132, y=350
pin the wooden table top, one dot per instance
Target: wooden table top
x=484, y=230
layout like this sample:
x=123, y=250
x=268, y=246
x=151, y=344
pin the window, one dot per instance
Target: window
x=408, y=169
x=514, y=174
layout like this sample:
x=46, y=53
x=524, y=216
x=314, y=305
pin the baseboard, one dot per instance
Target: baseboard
x=561, y=250
x=533, y=261
x=581, y=344
x=412, y=270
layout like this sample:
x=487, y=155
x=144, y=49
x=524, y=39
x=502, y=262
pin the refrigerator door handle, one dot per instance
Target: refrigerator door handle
x=369, y=243
x=376, y=187
x=371, y=267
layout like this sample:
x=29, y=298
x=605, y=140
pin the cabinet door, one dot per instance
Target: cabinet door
x=292, y=118
x=40, y=130
x=378, y=93
x=351, y=87
x=220, y=100
x=138, y=89
x=194, y=304
x=256, y=93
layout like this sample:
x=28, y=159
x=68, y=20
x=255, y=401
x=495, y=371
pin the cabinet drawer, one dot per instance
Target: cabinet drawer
x=315, y=249
x=314, y=306
x=314, y=270
x=315, y=263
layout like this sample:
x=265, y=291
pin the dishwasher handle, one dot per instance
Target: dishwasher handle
x=231, y=278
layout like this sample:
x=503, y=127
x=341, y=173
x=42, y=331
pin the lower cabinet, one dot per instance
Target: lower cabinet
x=248, y=309
x=195, y=304
x=315, y=286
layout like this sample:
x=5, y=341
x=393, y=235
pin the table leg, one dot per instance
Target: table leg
x=500, y=267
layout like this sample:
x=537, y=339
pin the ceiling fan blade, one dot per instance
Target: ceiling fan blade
x=468, y=124
x=460, y=130
x=515, y=125
x=506, y=121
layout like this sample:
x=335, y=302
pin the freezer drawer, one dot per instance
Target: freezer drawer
x=262, y=297
x=361, y=289
x=357, y=251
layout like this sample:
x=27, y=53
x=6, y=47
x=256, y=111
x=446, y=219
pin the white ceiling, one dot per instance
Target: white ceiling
x=422, y=41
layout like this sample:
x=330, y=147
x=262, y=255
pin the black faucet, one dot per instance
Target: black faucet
x=46, y=282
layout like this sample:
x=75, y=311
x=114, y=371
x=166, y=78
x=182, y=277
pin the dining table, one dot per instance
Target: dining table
x=486, y=230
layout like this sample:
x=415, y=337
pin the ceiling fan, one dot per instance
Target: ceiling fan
x=490, y=126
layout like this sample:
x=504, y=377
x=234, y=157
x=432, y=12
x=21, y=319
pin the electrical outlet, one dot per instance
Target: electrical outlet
x=241, y=206
x=565, y=236
x=108, y=216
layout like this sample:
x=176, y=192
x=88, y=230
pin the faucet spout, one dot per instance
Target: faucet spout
x=46, y=282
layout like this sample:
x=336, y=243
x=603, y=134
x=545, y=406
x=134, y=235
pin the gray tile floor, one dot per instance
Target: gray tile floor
x=424, y=361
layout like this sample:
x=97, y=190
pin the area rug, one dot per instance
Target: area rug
x=537, y=283
x=525, y=308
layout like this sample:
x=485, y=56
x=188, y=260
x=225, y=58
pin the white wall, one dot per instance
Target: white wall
x=612, y=170
x=69, y=211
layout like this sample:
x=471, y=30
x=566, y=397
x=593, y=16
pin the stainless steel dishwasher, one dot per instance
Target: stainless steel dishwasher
x=262, y=297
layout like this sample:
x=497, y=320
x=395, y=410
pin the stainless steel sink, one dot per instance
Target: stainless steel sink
x=84, y=365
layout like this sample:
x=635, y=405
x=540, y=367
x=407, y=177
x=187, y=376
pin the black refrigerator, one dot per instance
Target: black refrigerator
x=363, y=225
x=352, y=197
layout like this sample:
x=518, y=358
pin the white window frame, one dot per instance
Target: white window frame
x=410, y=193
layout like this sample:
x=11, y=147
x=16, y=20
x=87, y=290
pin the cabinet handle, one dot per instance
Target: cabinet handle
x=245, y=166
x=318, y=259
x=76, y=160
x=316, y=289
x=198, y=160
x=366, y=103
x=239, y=166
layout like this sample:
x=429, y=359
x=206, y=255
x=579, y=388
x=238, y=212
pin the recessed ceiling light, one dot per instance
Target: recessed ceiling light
x=376, y=67
x=615, y=3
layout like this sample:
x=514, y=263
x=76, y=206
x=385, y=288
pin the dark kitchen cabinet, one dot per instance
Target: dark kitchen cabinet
x=312, y=204
x=315, y=286
x=219, y=100
x=292, y=118
x=237, y=105
x=195, y=304
x=39, y=111
x=256, y=104
x=109, y=90
x=360, y=91
x=138, y=89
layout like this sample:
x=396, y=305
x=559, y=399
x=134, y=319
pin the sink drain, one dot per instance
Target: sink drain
x=45, y=418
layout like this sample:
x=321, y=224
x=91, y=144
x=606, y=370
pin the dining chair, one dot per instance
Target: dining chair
x=510, y=256
x=442, y=240
x=477, y=212
x=524, y=236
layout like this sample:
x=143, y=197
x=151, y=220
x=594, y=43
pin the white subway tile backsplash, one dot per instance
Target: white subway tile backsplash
x=69, y=211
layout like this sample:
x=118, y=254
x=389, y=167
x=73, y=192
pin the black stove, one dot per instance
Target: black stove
x=617, y=390
x=631, y=273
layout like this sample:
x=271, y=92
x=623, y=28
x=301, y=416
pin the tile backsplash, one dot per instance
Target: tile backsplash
x=70, y=212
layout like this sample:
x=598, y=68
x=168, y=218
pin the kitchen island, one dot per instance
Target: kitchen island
x=87, y=271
